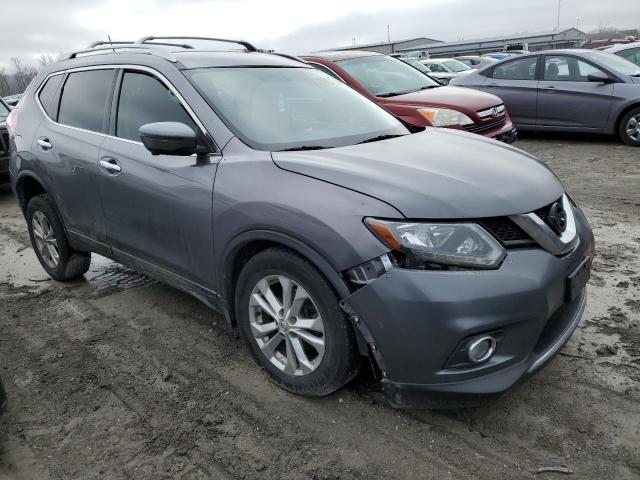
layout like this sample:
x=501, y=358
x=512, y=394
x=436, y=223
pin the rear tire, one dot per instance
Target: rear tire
x=307, y=347
x=629, y=128
x=50, y=243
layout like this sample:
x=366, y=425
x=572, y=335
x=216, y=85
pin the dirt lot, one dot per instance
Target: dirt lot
x=118, y=376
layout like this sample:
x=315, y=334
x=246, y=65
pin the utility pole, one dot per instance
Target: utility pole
x=577, y=23
x=558, y=22
x=389, y=40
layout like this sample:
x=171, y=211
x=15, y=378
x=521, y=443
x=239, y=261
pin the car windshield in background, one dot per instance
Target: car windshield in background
x=416, y=64
x=384, y=76
x=614, y=62
x=456, y=66
x=277, y=109
x=4, y=112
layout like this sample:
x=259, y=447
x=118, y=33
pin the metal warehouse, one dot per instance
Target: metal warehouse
x=568, y=38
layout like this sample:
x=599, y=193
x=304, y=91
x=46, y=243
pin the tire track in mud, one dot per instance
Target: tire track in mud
x=249, y=409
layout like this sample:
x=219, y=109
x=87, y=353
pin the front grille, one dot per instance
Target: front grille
x=492, y=112
x=505, y=230
x=486, y=127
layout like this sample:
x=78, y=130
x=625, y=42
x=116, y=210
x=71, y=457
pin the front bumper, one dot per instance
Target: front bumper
x=509, y=136
x=415, y=319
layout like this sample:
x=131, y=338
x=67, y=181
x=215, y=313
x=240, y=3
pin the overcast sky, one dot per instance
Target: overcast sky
x=33, y=27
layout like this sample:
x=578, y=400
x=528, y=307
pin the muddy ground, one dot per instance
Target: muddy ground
x=118, y=376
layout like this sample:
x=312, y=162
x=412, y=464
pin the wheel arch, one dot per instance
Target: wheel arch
x=28, y=185
x=621, y=114
x=243, y=247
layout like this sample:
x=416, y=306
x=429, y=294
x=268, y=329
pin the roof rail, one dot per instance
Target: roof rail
x=162, y=44
x=106, y=42
x=148, y=41
x=104, y=50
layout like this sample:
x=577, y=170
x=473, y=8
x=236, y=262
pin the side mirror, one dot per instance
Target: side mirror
x=169, y=138
x=599, y=77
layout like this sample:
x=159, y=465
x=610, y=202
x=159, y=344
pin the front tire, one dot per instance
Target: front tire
x=50, y=242
x=629, y=129
x=290, y=318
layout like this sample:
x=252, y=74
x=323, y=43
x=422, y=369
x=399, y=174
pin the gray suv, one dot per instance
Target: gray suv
x=306, y=214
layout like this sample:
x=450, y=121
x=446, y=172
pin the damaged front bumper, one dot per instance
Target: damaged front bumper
x=415, y=320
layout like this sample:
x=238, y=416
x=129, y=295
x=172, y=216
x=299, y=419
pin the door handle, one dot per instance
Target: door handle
x=111, y=166
x=550, y=89
x=492, y=85
x=45, y=144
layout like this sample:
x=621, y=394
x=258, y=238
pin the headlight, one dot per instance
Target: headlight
x=461, y=244
x=444, y=117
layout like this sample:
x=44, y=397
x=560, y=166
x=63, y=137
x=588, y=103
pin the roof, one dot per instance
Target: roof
x=502, y=38
x=622, y=46
x=336, y=56
x=382, y=44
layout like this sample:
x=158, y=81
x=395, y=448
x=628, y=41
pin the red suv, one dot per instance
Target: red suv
x=416, y=98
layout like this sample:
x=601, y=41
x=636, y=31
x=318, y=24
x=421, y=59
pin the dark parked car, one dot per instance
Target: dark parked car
x=567, y=90
x=628, y=51
x=414, y=97
x=310, y=216
x=4, y=143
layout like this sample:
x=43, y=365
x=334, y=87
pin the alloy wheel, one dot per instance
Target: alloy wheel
x=633, y=128
x=287, y=325
x=45, y=239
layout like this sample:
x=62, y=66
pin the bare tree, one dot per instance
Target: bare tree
x=23, y=73
x=4, y=83
x=46, y=59
x=603, y=27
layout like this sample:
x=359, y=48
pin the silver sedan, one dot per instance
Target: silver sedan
x=566, y=90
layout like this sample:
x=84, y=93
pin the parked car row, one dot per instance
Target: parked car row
x=566, y=90
x=289, y=200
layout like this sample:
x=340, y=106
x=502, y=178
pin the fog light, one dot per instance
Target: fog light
x=482, y=349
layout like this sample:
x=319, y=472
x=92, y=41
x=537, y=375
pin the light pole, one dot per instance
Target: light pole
x=558, y=22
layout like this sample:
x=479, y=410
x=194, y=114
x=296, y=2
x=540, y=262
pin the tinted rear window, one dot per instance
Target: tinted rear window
x=84, y=99
x=48, y=94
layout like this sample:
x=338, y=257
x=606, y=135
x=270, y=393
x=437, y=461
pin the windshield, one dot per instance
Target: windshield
x=416, y=64
x=614, y=62
x=292, y=108
x=4, y=112
x=384, y=76
x=456, y=66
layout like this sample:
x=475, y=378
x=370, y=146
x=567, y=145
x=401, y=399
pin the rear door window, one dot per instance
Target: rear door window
x=48, y=95
x=521, y=69
x=144, y=99
x=83, y=103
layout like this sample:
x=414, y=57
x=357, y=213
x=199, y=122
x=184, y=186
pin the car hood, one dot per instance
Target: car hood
x=444, y=74
x=466, y=99
x=435, y=174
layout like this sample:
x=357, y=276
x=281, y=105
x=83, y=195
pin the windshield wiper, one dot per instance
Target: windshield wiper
x=393, y=94
x=379, y=138
x=303, y=147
